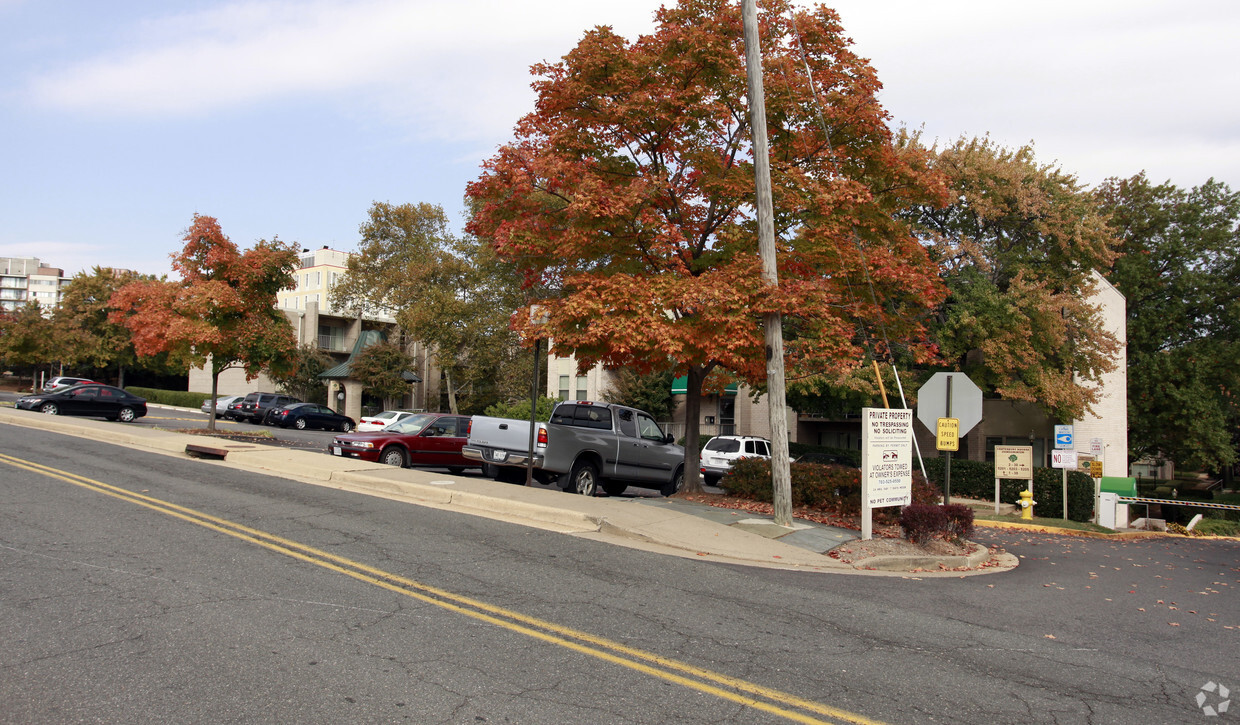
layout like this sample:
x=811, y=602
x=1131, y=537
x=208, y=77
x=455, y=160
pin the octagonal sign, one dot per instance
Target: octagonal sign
x=966, y=401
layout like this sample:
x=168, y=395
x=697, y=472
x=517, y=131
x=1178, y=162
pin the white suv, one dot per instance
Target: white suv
x=720, y=451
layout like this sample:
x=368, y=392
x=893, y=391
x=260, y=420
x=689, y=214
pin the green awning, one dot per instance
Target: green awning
x=364, y=340
x=680, y=386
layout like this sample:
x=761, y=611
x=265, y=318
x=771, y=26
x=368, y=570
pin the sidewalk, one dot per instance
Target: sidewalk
x=666, y=525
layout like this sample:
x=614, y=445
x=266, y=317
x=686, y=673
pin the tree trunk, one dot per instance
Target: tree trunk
x=693, y=433
x=447, y=379
x=120, y=375
x=215, y=386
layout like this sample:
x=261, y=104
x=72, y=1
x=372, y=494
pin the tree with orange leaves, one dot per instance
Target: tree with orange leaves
x=627, y=198
x=223, y=309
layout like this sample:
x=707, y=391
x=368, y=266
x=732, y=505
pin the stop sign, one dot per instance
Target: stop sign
x=965, y=401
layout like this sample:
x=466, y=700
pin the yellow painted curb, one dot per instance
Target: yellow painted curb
x=1069, y=532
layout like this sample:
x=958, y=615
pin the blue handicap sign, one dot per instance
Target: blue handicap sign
x=1063, y=436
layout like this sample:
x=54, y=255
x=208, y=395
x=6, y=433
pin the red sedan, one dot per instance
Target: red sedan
x=424, y=439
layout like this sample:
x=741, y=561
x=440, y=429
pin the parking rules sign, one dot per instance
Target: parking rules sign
x=886, y=457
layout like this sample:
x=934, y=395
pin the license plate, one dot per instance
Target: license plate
x=498, y=455
x=336, y=451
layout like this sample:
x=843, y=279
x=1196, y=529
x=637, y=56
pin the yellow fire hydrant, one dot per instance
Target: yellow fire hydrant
x=1026, y=503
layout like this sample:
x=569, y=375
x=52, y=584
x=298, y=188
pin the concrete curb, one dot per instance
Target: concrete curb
x=929, y=563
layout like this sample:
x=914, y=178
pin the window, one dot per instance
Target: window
x=648, y=428
x=563, y=387
x=628, y=426
x=582, y=385
x=723, y=445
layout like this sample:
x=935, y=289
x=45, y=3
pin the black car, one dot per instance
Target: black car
x=255, y=406
x=310, y=415
x=91, y=399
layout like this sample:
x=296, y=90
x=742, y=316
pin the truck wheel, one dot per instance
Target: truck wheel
x=583, y=479
x=490, y=471
x=615, y=488
x=673, y=486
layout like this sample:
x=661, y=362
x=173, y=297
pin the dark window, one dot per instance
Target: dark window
x=723, y=445
x=628, y=426
x=588, y=416
x=564, y=415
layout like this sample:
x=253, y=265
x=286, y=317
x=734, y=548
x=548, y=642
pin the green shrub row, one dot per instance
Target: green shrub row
x=824, y=487
x=976, y=479
x=179, y=398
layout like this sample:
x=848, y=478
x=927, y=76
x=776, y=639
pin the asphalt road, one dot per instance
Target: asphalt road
x=160, y=589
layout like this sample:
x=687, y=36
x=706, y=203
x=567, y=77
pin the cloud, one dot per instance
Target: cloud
x=457, y=64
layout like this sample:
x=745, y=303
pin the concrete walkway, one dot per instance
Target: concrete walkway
x=670, y=526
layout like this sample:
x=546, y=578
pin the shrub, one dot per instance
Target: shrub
x=959, y=522
x=922, y=522
x=824, y=487
x=179, y=398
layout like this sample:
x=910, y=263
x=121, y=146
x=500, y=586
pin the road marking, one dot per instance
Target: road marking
x=713, y=683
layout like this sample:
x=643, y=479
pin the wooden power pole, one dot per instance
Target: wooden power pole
x=781, y=477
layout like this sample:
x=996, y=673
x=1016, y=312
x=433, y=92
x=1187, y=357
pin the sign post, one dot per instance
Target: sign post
x=886, y=462
x=1013, y=462
x=951, y=396
x=1067, y=461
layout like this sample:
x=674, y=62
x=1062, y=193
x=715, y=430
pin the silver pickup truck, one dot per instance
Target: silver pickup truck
x=585, y=446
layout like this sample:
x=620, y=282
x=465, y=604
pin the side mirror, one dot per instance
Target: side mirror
x=669, y=438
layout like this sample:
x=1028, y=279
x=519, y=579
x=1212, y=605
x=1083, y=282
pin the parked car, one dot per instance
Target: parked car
x=220, y=404
x=254, y=406
x=61, y=382
x=310, y=415
x=721, y=451
x=91, y=399
x=585, y=446
x=233, y=411
x=422, y=439
x=379, y=421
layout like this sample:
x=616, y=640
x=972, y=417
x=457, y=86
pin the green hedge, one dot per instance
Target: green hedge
x=976, y=479
x=826, y=487
x=179, y=398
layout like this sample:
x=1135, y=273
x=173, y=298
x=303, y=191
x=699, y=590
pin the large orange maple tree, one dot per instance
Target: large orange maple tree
x=627, y=196
x=222, y=311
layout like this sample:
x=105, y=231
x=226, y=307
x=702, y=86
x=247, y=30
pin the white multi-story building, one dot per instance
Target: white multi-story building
x=25, y=279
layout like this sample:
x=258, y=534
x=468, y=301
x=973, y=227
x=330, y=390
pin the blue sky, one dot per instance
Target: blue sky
x=121, y=119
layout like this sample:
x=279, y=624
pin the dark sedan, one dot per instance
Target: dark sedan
x=310, y=415
x=92, y=399
x=424, y=439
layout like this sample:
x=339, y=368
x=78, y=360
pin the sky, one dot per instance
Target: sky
x=120, y=120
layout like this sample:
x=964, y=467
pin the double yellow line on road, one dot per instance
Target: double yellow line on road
x=734, y=689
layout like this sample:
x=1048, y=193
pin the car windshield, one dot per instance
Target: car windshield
x=411, y=425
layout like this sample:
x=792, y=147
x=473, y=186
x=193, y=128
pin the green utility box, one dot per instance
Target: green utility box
x=1120, y=486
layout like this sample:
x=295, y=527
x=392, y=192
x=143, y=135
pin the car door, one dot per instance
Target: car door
x=82, y=401
x=657, y=459
x=630, y=446
x=435, y=444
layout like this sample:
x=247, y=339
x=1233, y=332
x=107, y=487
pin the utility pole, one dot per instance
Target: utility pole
x=781, y=476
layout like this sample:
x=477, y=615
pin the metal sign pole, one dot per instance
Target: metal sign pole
x=947, y=464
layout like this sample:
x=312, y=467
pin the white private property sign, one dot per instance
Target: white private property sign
x=1013, y=462
x=886, y=461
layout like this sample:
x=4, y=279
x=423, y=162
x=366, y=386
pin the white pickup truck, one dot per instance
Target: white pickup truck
x=585, y=446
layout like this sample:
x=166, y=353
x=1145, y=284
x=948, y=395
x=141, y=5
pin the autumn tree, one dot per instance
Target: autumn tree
x=83, y=331
x=222, y=311
x=439, y=288
x=1017, y=247
x=26, y=338
x=628, y=194
x=1179, y=270
x=381, y=368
